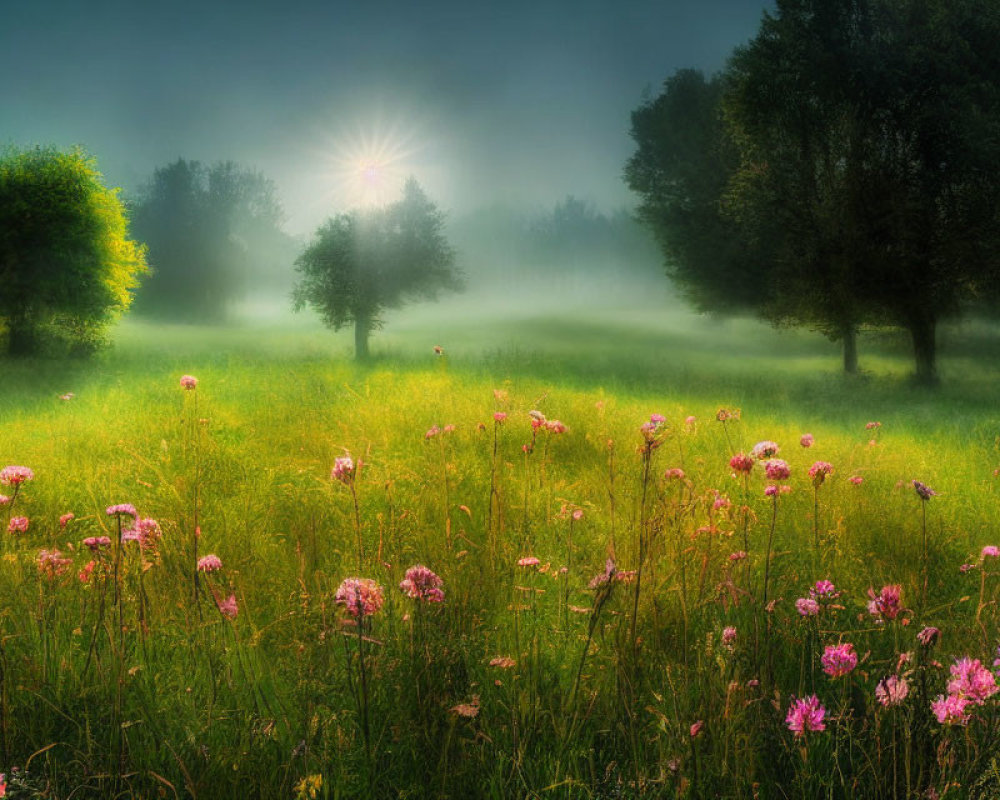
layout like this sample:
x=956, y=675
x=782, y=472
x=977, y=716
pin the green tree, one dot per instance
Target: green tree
x=212, y=232
x=681, y=169
x=67, y=263
x=792, y=109
x=863, y=132
x=364, y=262
x=868, y=127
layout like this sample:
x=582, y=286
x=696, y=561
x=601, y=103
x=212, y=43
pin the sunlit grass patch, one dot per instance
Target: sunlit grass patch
x=526, y=680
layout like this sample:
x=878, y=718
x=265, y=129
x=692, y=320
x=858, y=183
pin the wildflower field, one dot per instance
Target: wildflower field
x=600, y=562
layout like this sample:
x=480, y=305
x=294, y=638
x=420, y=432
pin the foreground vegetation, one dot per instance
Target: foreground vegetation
x=642, y=655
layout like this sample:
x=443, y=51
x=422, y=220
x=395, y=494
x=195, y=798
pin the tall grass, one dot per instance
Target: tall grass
x=636, y=658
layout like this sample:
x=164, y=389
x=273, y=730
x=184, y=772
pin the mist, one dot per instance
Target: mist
x=503, y=114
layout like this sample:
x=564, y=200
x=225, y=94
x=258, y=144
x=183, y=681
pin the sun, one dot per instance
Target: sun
x=369, y=165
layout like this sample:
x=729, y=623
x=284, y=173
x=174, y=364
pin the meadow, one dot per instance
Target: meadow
x=613, y=606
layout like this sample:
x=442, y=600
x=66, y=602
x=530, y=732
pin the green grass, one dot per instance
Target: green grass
x=248, y=708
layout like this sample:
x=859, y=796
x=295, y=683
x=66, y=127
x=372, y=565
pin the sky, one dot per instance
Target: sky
x=515, y=102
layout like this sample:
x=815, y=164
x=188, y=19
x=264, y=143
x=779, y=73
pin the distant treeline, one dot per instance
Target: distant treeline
x=214, y=236
x=571, y=246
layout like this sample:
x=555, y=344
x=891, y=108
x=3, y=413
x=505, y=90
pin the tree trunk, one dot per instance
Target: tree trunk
x=362, y=327
x=922, y=331
x=850, y=339
x=22, y=338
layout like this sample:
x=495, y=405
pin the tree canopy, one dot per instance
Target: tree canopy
x=681, y=169
x=212, y=233
x=364, y=262
x=67, y=264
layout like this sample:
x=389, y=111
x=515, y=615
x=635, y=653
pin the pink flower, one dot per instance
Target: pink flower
x=675, y=474
x=990, y=551
x=85, y=573
x=17, y=525
x=966, y=567
x=764, y=450
x=130, y=535
x=857, y=480
x=503, y=662
x=52, y=565
x=15, y=475
x=807, y=440
x=924, y=492
x=361, y=597
x=777, y=469
x=95, y=543
x=603, y=577
x=577, y=514
x=188, y=382
x=432, y=432
x=729, y=637
x=739, y=555
x=690, y=421
x=122, y=508
x=65, y=519
x=468, y=710
x=770, y=491
x=950, y=710
x=807, y=606
x=420, y=583
x=537, y=419
x=818, y=472
x=805, y=715
x=887, y=602
x=343, y=469
x=500, y=416
x=555, y=426
x=209, y=563
x=972, y=680
x=871, y=426
x=648, y=431
x=928, y=636
x=229, y=608
x=892, y=691
x=741, y=463
x=839, y=659
x=696, y=728
x=4, y=499
x=721, y=503
x=149, y=533
x=824, y=590
x=657, y=419
x=528, y=561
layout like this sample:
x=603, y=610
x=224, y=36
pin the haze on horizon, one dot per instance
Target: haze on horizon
x=520, y=104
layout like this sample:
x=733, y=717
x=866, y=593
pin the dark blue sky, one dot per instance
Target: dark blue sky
x=511, y=102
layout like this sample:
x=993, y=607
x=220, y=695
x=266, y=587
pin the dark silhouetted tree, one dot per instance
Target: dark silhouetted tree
x=67, y=263
x=212, y=232
x=681, y=169
x=867, y=129
x=363, y=262
x=793, y=111
x=850, y=177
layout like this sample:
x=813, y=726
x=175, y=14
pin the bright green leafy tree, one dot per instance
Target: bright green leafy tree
x=67, y=264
